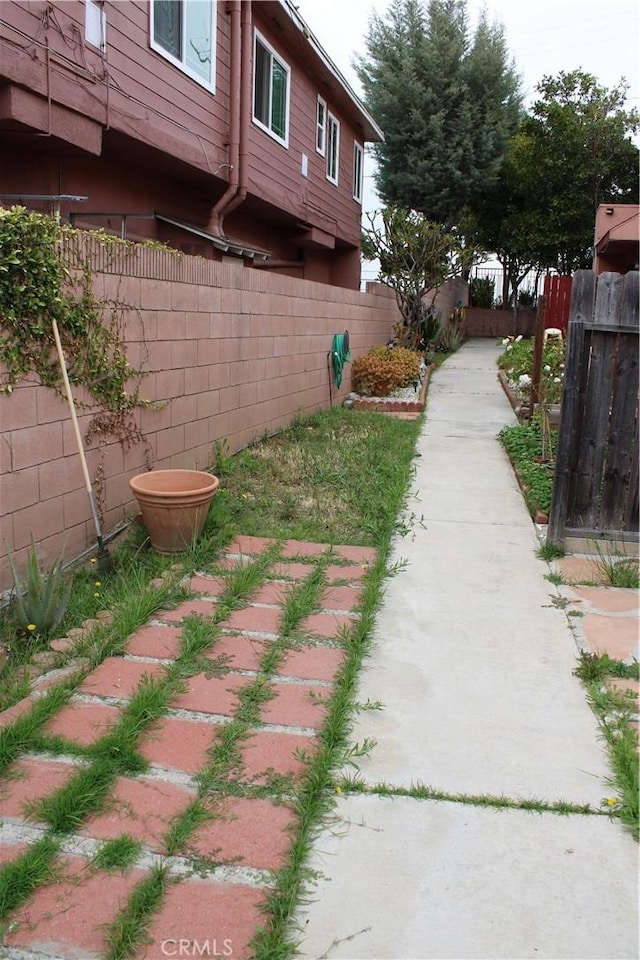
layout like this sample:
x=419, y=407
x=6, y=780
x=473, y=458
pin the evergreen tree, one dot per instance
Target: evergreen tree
x=447, y=105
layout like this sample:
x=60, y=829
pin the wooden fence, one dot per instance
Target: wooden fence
x=595, y=491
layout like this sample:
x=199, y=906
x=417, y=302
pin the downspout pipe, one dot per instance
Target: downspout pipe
x=214, y=224
x=245, y=107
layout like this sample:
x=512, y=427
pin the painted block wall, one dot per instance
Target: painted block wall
x=230, y=354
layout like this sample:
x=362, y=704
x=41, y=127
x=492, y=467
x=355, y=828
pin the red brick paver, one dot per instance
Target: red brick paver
x=326, y=625
x=141, y=808
x=220, y=917
x=340, y=598
x=176, y=744
x=83, y=723
x=190, y=608
x=296, y=705
x=119, y=677
x=239, y=652
x=349, y=573
x=69, y=916
x=312, y=663
x=218, y=695
x=254, y=619
x=31, y=779
x=248, y=832
x=291, y=571
x=615, y=636
x=151, y=641
x=274, y=752
x=251, y=545
x=208, y=586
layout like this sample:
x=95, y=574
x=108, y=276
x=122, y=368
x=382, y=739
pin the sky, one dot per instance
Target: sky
x=545, y=37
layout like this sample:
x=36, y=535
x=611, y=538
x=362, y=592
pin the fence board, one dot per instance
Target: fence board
x=582, y=300
x=596, y=479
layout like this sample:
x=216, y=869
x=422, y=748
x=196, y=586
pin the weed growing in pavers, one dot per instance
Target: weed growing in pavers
x=197, y=635
x=19, y=878
x=19, y=736
x=128, y=930
x=184, y=825
x=614, y=568
x=594, y=666
x=117, y=854
x=550, y=551
x=353, y=784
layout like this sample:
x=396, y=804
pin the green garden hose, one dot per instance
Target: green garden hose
x=340, y=355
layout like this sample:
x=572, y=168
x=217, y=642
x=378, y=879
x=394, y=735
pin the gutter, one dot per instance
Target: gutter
x=214, y=224
x=245, y=107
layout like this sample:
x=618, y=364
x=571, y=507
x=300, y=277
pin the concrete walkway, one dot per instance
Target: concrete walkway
x=472, y=668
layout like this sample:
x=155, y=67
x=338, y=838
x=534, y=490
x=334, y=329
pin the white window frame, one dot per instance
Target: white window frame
x=358, y=170
x=321, y=126
x=259, y=39
x=95, y=25
x=181, y=63
x=333, y=136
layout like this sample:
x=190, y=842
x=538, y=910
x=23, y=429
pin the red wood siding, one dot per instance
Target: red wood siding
x=134, y=134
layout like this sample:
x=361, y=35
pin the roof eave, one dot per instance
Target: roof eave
x=373, y=133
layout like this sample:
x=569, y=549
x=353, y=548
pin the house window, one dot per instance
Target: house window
x=358, y=170
x=270, y=91
x=333, y=148
x=321, y=126
x=184, y=31
x=95, y=25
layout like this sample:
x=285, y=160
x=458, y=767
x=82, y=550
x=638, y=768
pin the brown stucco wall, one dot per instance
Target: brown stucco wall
x=230, y=354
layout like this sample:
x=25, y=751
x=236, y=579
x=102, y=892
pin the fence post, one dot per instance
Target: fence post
x=582, y=303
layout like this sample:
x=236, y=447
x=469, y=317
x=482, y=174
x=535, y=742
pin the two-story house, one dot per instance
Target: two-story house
x=221, y=128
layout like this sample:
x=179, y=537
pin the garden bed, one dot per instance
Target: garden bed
x=405, y=400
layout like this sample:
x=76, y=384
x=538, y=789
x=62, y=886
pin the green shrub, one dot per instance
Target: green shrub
x=481, y=292
x=384, y=369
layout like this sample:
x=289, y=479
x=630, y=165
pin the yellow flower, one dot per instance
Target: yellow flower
x=31, y=627
x=611, y=801
x=96, y=594
x=338, y=789
x=93, y=560
x=98, y=583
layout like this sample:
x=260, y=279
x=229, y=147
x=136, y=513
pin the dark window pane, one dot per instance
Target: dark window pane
x=279, y=100
x=167, y=26
x=261, y=90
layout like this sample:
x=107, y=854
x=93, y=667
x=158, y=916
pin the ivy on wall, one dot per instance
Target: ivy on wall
x=36, y=287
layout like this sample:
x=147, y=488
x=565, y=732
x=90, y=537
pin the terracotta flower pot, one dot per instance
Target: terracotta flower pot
x=174, y=506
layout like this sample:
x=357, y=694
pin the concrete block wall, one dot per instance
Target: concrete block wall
x=483, y=322
x=230, y=354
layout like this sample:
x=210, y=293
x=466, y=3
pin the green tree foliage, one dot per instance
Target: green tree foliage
x=447, y=104
x=416, y=256
x=572, y=152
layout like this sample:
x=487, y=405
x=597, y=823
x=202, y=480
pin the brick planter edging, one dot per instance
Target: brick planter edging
x=396, y=406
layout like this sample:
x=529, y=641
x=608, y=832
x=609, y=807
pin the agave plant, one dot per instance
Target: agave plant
x=40, y=602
